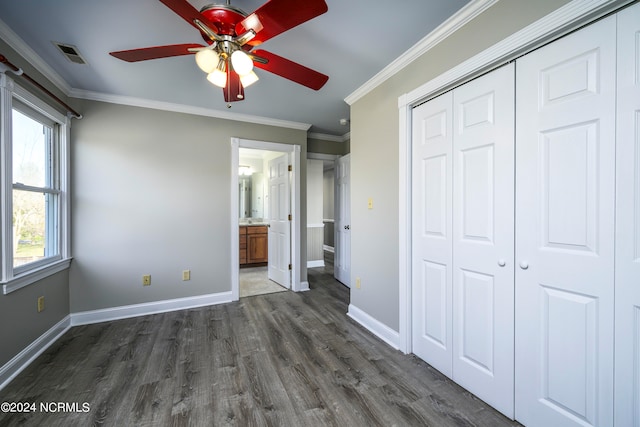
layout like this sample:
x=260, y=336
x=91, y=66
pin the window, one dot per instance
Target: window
x=34, y=194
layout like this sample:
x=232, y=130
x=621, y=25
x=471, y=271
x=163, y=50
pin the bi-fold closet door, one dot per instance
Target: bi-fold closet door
x=463, y=225
x=565, y=218
x=575, y=273
x=627, y=268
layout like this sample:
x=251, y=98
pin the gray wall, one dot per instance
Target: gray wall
x=151, y=195
x=374, y=152
x=20, y=323
x=322, y=146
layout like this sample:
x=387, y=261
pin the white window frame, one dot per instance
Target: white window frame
x=13, y=278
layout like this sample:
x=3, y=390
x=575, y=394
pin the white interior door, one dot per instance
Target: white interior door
x=627, y=342
x=279, y=223
x=565, y=170
x=342, y=259
x=483, y=235
x=431, y=281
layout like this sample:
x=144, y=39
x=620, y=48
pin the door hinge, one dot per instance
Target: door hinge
x=290, y=168
x=289, y=266
x=290, y=217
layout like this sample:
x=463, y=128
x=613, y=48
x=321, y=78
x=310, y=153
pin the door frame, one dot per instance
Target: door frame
x=558, y=23
x=294, y=150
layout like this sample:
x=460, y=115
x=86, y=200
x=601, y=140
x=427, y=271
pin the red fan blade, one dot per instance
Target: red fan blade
x=187, y=12
x=233, y=91
x=278, y=16
x=155, y=52
x=290, y=70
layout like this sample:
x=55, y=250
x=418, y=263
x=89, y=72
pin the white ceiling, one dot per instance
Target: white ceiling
x=350, y=43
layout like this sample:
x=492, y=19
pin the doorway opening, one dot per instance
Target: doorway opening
x=265, y=235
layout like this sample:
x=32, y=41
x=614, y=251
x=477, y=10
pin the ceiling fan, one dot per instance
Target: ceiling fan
x=231, y=36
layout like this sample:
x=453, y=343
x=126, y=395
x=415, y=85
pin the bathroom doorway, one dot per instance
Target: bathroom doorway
x=250, y=206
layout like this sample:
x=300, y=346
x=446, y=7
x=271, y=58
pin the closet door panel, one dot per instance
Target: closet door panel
x=431, y=243
x=565, y=171
x=483, y=234
x=627, y=350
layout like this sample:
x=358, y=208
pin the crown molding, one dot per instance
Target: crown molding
x=444, y=30
x=327, y=137
x=28, y=54
x=554, y=25
x=23, y=49
x=186, y=109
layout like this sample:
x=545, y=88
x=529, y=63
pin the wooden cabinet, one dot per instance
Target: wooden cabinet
x=254, y=245
x=243, y=245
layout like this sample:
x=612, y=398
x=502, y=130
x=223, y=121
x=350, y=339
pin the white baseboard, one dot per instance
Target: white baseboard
x=374, y=326
x=316, y=263
x=14, y=366
x=304, y=286
x=135, y=310
x=328, y=248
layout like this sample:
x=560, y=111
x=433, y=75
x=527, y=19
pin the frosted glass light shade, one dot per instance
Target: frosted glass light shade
x=248, y=79
x=207, y=60
x=218, y=78
x=241, y=62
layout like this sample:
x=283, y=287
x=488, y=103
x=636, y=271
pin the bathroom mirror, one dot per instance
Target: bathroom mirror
x=251, y=196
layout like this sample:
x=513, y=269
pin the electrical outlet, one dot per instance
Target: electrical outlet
x=370, y=203
x=40, y=304
x=146, y=280
x=186, y=274
x=357, y=283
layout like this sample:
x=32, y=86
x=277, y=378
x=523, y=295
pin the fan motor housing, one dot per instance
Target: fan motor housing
x=224, y=18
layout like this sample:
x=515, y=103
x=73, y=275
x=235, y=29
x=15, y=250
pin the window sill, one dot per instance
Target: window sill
x=30, y=277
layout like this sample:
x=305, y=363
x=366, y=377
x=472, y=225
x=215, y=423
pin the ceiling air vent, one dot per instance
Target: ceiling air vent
x=71, y=52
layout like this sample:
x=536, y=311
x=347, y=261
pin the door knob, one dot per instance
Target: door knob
x=502, y=262
x=524, y=265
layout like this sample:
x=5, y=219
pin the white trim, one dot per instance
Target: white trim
x=304, y=286
x=144, y=309
x=319, y=225
x=315, y=264
x=17, y=44
x=322, y=156
x=374, y=326
x=444, y=30
x=556, y=24
x=543, y=31
x=404, y=238
x=34, y=275
x=187, y=109
x=20, y=361
x=327, y=137
x=328, y=248
x=14, y=278
x=296, y=264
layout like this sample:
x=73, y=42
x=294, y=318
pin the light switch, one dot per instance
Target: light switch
x=370, y=203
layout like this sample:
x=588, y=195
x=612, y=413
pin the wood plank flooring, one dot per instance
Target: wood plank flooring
x=284, y=359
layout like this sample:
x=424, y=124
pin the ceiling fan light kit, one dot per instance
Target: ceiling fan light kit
x=207, y=60
x=231, y=35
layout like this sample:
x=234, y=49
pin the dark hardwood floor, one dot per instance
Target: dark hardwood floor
x=284, y=359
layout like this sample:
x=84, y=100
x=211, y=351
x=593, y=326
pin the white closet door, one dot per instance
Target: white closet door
x=627, y=350
x=565, y=170
x=432, y=237
x=483, y=218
